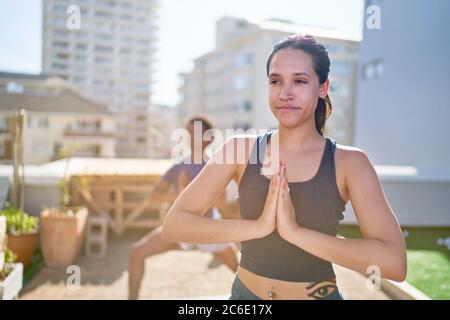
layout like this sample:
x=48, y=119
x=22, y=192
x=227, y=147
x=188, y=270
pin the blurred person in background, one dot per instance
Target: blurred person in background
x=165, y=191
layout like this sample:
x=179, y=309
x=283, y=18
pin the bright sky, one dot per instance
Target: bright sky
x=187, y=30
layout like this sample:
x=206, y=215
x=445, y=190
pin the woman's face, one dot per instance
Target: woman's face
x=294, y=87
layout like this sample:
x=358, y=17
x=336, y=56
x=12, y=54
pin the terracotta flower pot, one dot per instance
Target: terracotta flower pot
x=23, y=245
x=62, y=236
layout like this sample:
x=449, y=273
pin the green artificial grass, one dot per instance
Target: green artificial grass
x=428, y=258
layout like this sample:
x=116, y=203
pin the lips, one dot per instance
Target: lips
x=287, y=108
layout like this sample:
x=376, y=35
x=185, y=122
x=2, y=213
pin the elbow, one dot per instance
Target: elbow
x=399, y=275
x=167, y=233
x=398, y=271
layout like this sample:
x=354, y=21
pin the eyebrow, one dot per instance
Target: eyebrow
x=295, y=74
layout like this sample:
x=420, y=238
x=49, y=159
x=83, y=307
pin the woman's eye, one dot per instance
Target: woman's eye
x=322, y=292
x=274, y=81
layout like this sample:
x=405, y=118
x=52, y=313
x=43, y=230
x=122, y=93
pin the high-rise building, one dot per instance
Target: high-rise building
x=109, y=57
x=229, y=84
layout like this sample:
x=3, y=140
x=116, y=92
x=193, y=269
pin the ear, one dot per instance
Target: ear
x=323, y=89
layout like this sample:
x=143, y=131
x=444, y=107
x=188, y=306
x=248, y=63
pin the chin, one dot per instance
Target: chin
x=288, y=122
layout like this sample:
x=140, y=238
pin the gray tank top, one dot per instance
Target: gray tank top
x=318, y=206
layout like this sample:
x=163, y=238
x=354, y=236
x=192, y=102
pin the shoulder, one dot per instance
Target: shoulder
x=352, y=160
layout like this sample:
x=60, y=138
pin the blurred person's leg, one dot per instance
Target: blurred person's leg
x=149, y=245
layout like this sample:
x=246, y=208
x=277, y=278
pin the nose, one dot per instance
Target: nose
x=285, y=92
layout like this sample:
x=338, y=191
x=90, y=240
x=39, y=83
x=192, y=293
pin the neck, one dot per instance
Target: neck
x=299, y=138
x=199, y=152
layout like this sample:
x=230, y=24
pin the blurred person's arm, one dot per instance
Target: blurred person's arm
x=162, y=193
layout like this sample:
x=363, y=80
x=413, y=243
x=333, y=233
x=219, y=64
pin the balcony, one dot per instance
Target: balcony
x=87, y=132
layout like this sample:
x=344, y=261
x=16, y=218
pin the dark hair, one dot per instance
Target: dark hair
x=321, y=65
x=206, y=124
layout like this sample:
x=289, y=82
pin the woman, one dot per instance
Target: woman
x=289, y=220
x=166, y=191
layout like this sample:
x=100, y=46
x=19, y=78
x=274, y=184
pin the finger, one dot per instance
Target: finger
x=275, y=186
x=282, y=188
x=280, y=164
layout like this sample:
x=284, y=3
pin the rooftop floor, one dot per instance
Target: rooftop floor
x=171, y=275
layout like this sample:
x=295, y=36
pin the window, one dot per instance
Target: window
x=240, y=83
x=333, y=48
x=125, y=51
x=243, y=59
x=80, y=57
x=60, y=44
x=242, y=125
x=102, y=14
x=126, y=17
x=373, y=69
x=143, y=41
x=103, y=60
x=59, y=8
x=103, y=48
x=103, y=36
x=60, y=32
x=43, y=123
x=340, y=68
x=40, y=148
x=81, y=46
x=14, y=87
x=63, y=56
x=87, y=125
x=142, y=64
x=37, y=122
x=243, y=106
x=57, y=65
x=79, y=79
x=3, y=124
x=81, y=35
x=126, y=5
x=339, y=89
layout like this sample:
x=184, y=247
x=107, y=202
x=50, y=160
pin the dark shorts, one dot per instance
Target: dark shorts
x=240, y=292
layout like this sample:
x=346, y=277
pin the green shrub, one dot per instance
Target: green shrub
x=10, y=257
x=19, y=222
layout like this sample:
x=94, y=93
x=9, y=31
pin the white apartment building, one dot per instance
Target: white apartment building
x=229, y=84
x=59, y=121
x=110, y=58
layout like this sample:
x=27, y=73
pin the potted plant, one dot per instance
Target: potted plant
x=21, y=233
x=11, y=275
x=62, y=231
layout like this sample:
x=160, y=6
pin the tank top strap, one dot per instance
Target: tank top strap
x=259, y=148
x=331, y=163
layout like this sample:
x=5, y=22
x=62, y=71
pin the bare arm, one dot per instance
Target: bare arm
x=382, y=245
x=184, y=221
